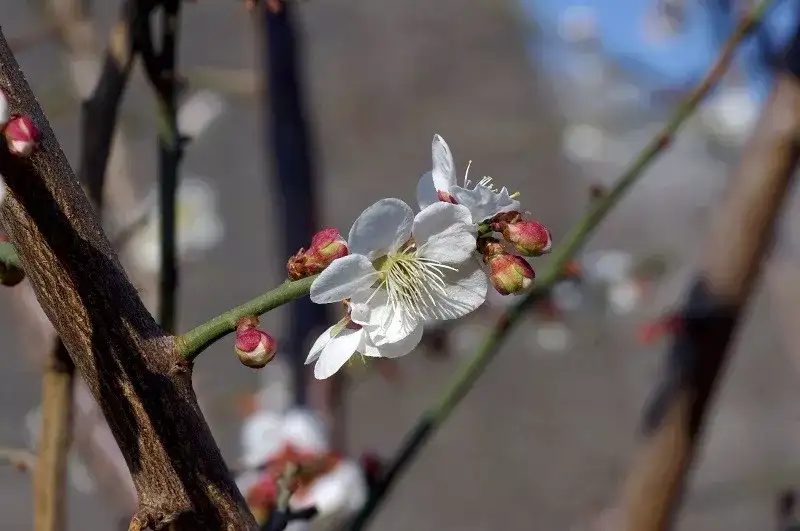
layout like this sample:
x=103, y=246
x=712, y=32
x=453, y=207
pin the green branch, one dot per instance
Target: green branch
x=195, y=341
x=468, y=374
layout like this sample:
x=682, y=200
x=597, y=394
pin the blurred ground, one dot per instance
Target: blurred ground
x=543, y=438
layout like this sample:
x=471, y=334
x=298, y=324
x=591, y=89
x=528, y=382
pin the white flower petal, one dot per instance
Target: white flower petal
x=444, y=169
x=305, y=431
x=261, y=437
x=342, y=491
x=464, y=292
x=381, y=228
x=483, y=203
x=398, y=348
x=381, y=322
x=444, y=232
x=316, y=349
x=342, y=278
x=337, y=352
x=426, y=191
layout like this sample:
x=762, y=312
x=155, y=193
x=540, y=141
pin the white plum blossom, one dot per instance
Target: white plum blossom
x=336, y=495
x=482, y=199
x=198, y=224
x=402, y=271
x=265, y=433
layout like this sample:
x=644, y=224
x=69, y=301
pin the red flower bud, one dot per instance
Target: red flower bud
x=529, y=238
x=499, y=222
x=326, y=246
x=254, y=347
x=22, y=136
x=509, y=273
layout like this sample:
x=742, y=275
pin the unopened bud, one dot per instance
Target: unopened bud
x=509, y=273
x=326, y=246
x=254, y=347
x=489, y=247
x=529, y=238
x=22, y=136
x=499, y=222
x=5, y=112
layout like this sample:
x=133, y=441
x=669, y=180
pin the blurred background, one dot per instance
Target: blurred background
x=549, y=97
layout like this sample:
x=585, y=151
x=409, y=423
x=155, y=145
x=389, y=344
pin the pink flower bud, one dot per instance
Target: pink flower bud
x=326, y=246
x=4, y=110
x=499, y=222
x=254, y=347
x=529, y=238
x=509, y=273
x=22, y=136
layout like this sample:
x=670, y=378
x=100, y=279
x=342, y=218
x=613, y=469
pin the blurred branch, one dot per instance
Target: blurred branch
x=21, y=459
x=50, y=479
x=281, y=515
x=195, y=341
x=293, y=177
x=735, y=249
x=469, y=373
x=160, y=66
x=121, y=353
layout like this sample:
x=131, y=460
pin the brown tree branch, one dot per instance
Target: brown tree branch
x=737, y=243
x=99, y=117
x=125, y=359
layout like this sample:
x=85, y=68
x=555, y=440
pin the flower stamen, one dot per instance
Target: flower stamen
x=466, y=175
x=412, y=282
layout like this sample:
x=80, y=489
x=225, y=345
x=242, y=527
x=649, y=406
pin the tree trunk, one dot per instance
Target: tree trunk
x=128, y=363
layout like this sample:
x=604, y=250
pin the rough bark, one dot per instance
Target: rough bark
x=99, y=117
x=126, y=360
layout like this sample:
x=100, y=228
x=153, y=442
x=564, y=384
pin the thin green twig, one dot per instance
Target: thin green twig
x=463, y=381
x=193, y=342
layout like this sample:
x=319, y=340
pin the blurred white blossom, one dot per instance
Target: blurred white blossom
x=198, y=224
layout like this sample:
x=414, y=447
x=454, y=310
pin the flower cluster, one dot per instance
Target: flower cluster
x=335, y=486
x=400, y=270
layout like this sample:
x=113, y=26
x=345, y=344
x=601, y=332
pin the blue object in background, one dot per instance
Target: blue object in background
x=672, y=61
